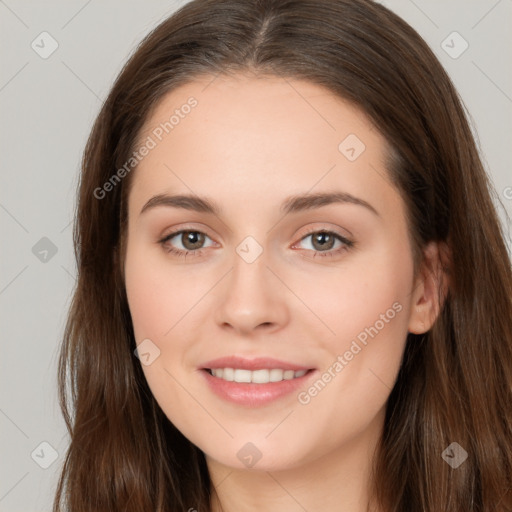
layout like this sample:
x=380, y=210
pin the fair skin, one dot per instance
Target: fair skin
x=248, y=145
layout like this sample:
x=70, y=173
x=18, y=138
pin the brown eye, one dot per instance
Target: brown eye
x=185, y=242
x=192, y=240
x=326, y=243
x=323, y=241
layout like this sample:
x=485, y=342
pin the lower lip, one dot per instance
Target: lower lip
x=251, y=394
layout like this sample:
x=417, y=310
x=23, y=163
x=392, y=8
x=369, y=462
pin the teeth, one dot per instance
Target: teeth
x=260, y=376
x=256, y=376
x=242, y=376
x=227, y=374
x=288, y=374
x=275, y=375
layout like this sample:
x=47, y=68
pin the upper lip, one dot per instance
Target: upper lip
x=257, y=363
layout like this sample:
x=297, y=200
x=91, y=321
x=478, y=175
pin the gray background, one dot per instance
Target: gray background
x=47, y=109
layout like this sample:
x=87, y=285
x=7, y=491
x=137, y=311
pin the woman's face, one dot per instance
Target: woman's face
x=295, y=258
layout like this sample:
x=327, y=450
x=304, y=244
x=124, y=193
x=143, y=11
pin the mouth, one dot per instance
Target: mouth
x=261, y=376
x=254, y=382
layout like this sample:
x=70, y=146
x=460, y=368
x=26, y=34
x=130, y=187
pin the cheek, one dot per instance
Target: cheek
x=159, y=299
x=159, y=295
x=370, y=293
x=166, y=302
x=367, y=311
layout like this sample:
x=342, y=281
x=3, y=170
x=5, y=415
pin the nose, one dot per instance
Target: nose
x=252, y=298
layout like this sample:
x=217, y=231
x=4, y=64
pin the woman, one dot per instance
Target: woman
x=294, y=291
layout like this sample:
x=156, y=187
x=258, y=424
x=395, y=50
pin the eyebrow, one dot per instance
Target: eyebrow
x=292, y=204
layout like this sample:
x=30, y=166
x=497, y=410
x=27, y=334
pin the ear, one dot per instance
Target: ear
x=430, y=288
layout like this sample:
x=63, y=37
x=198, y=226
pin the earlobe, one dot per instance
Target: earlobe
x=430, y=288
x=421, y=307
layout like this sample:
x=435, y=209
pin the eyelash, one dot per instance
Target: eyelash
x=348, y=244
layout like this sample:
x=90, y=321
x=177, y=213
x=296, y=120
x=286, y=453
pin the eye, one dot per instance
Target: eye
x=191, y=242
x=324, y=243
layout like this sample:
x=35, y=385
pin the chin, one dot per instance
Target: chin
x=254, y=456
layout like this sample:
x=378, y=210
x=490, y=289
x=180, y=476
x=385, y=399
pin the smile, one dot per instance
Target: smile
x=263, y=376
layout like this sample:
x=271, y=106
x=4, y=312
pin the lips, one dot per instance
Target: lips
x=253, y=382
x=259, y=363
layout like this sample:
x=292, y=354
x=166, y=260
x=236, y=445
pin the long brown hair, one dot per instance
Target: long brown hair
x=455, y=383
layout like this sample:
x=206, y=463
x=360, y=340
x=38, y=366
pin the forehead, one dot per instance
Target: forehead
x=254, y=105
x=261, y=137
